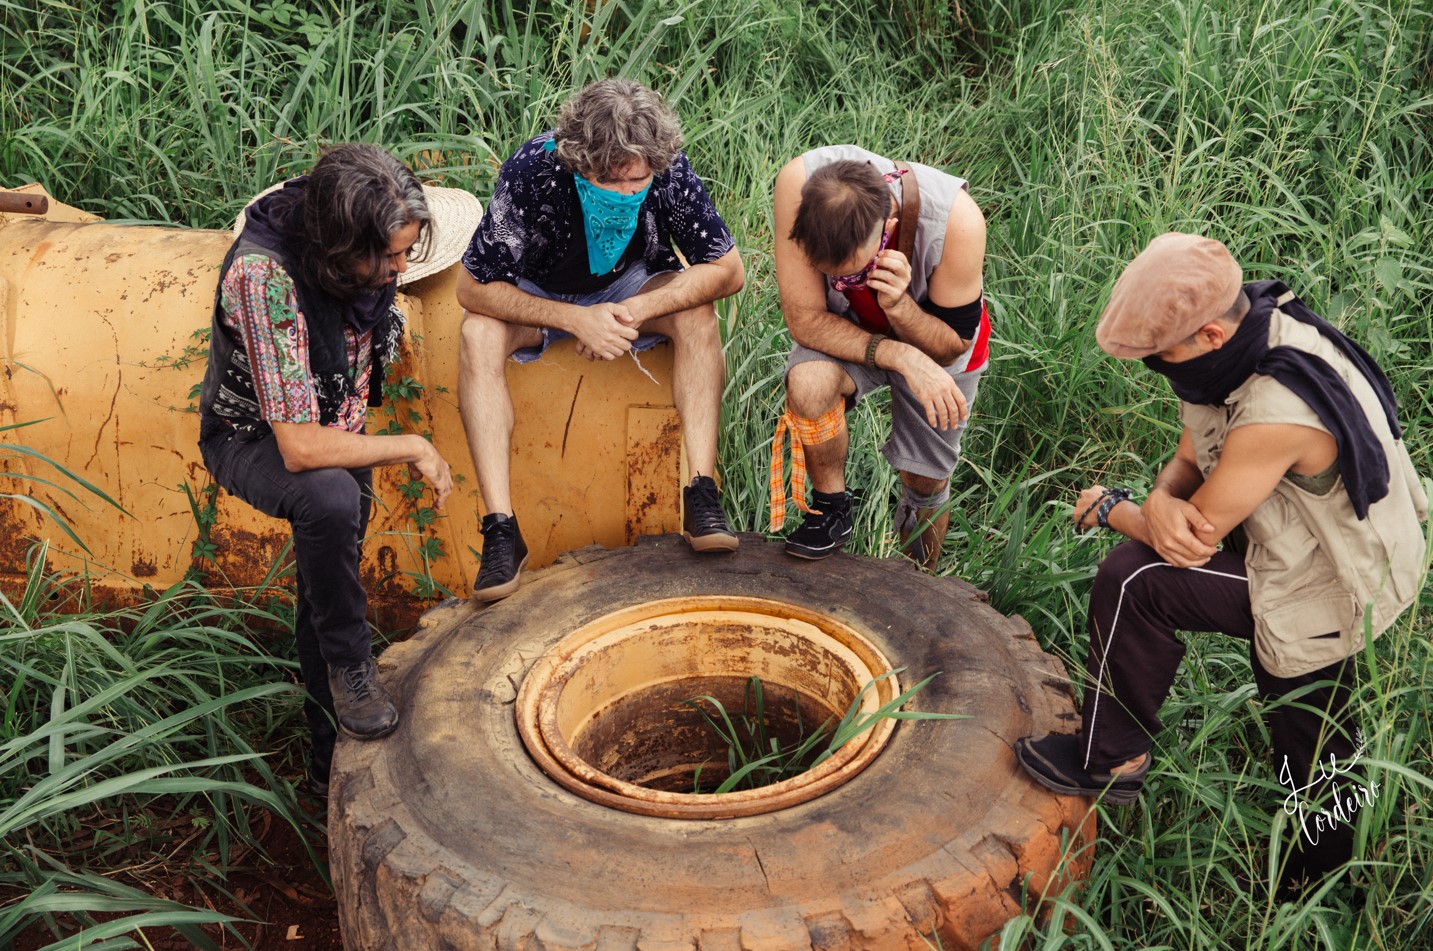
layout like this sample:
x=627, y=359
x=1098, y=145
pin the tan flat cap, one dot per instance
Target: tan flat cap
x=1175, y=286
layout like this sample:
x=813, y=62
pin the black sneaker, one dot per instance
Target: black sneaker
x=703, y=522
x=364, y=708
x=826, y=531
x=1055, y=763
x=504, y=557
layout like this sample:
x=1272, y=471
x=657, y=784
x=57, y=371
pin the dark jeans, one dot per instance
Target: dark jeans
x=328, y=512
x=1137, y=605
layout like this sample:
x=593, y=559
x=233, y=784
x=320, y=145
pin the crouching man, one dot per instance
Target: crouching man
x=879, y=267
x=1291, y=456
x=304, y=325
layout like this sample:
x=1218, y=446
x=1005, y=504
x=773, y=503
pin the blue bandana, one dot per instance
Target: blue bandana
x=609, y=219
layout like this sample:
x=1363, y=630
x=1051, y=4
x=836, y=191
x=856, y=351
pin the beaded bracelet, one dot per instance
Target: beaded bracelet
x=1108, y=501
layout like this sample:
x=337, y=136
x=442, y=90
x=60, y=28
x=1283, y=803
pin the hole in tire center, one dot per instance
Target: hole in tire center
x=602, y=712
x=652, y=738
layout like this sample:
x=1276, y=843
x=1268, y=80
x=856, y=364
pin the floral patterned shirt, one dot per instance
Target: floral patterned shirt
x=534, y=215
x=259, y=303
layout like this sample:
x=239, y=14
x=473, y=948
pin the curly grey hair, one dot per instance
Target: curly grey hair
x=613, y=122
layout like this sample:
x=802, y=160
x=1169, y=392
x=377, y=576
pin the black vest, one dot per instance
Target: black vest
x=227, y=400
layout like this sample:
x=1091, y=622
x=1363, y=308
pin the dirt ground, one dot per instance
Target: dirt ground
x=286, y=901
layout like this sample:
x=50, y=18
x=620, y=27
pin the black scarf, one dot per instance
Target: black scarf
x=1211, y=377
x=275, y=222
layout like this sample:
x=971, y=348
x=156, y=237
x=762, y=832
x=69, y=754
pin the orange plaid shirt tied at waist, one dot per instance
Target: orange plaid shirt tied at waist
x=804, y=432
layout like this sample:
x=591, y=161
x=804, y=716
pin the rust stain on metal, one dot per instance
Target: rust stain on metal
x=16, y=540
x=654, y=441
x=162, y=282
x=41, y=250
x=144, y=567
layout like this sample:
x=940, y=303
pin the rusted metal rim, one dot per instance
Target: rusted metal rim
x=655, y=647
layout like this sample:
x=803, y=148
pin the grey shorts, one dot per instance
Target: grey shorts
x=915, y=445
x=628, y=285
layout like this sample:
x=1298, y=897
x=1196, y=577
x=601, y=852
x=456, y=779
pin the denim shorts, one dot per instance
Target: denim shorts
x=628, y=285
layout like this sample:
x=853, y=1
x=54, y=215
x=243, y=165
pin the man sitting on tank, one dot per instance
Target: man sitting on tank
x=304, y=325
x=578, y=241
x=1288, y=517
x=879, y=266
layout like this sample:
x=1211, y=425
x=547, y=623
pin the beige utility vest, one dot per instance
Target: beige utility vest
x=1318, y=576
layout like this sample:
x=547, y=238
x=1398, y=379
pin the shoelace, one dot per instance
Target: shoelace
x=706, y=506
x=499, y=542
x=821, y=519
x=359, y=680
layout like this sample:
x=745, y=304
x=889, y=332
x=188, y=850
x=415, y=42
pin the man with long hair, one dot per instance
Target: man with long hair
x=580, y=239
x=304, y=325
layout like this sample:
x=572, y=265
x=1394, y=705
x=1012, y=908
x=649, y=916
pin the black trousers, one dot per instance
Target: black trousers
x=1137, y=605
x=328, y=512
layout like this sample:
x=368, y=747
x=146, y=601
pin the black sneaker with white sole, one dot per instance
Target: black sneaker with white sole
x=825, y=531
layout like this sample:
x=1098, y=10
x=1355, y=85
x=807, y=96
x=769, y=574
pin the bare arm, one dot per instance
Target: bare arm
x=508, y=303
x=811, y=323
x=956, y=280
x=1168, y=521
x=306, y=446
x=1186, y=516
x=696, y=285
x=606, y=330
x=1254, y=459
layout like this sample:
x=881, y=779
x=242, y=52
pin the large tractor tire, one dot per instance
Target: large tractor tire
x=447, y=835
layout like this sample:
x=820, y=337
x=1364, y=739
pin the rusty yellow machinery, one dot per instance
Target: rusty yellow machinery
x=102, y=336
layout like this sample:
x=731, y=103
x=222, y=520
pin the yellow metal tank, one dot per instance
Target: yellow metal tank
x=103, y=337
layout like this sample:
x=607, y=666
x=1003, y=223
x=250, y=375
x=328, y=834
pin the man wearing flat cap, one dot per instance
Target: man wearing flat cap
x=1289, y=517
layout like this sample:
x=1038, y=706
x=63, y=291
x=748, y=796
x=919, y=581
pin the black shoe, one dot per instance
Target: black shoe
x=504, y=556
x=825, y=532
x=703, y=522
x=364, y=708
x=1055, y=763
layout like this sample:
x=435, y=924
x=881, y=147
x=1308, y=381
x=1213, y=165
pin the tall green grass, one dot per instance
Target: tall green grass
x=1298, y=132
x=136, y=749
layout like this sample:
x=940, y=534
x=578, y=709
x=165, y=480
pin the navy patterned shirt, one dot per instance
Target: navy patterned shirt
x=533, y=219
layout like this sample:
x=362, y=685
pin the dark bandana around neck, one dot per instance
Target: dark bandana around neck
x=1211, y=377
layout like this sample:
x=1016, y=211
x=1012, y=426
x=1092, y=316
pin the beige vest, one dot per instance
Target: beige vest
x=1319, y=578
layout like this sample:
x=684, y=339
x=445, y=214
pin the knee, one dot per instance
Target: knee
x=812, y=388
x=696, y=327
x=331, y=500
x=923, y=485
x=484, y=341
x=1121, y=569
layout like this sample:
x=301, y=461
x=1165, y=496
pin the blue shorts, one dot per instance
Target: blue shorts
x=628, y=285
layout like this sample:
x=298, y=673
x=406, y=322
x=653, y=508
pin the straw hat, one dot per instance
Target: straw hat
x=456, y=214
